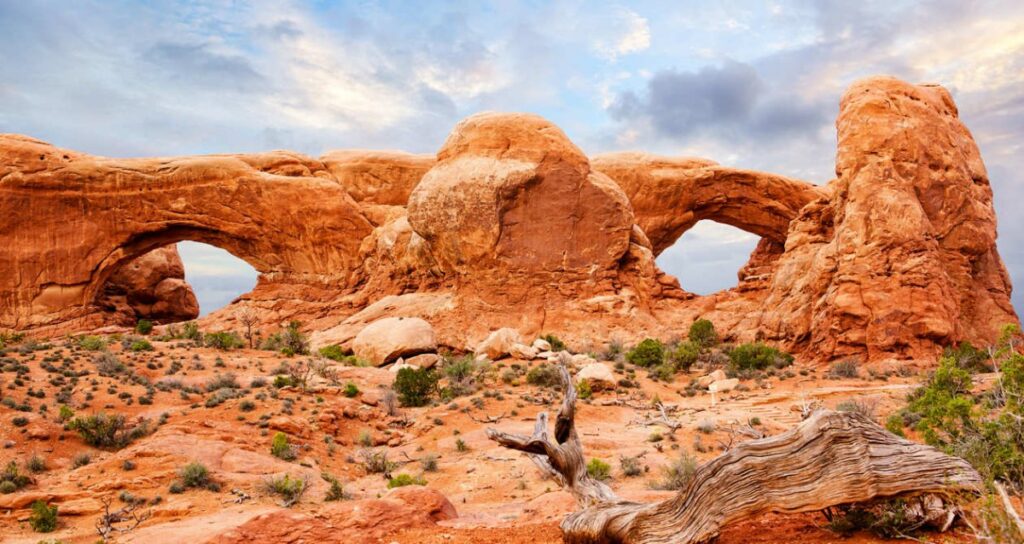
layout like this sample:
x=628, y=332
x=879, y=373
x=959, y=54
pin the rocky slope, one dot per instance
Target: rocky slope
x=511, y=225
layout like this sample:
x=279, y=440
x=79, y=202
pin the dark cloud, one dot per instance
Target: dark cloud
x=198, y=64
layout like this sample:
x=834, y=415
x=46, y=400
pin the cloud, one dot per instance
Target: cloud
x=199, y=64
x=622, y=33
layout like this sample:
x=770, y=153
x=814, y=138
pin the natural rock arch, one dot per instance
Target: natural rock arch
x=70, y=220
x=671, y=194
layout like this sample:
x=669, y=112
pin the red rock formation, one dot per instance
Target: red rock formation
x=513, y=226
x=152, y=287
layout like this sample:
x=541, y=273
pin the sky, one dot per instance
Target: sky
x=752, y=84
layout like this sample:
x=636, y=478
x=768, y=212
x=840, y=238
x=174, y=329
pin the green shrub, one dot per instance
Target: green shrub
x=144, y=326
x=336, y=492
x=224, y=340
x=222, y=381
x=11, y=479
x=544, y=375
x=290, y=341
x=648, y=353
x=80, y=460
x=290, y=489
x=583, y=390
x=92, y=343
x=108, y=431
x=415, y=386
x=598, y=469
x=36, y=464
x=683, y=355
x=758, y=356
x=678, y=474
x=403, y=480
x=333, y=352
x=351, y=390
x=190, y=331
x=969, y=358
x=285, y=381
x=43, y=518
x=196, y=475
x=140, y=344
x=462, y=375
x=703, y=334
x=280, y=448
x=65, y=413
x=886, y=519
x=844, y=369
x=556, y=343
x=19, y=421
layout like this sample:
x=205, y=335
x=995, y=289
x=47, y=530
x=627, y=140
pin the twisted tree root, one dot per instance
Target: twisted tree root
x=831, y=459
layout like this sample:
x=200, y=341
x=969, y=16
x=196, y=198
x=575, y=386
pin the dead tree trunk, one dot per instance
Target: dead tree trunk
x=831, y=459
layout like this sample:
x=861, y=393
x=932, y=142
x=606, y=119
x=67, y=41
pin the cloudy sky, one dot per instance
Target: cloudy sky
x=754, y=84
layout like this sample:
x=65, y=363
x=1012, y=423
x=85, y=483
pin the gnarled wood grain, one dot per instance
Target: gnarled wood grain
x=831, y=459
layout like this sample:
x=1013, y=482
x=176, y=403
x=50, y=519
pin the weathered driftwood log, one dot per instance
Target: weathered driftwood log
x=831, y=459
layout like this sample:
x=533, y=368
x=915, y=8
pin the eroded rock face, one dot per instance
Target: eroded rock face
x=152, y=287
x=513, y=226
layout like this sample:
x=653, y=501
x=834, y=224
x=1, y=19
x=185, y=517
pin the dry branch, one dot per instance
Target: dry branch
x=831, y=459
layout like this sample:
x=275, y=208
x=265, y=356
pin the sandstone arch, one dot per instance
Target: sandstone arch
x=671, y=194
x=68, y=220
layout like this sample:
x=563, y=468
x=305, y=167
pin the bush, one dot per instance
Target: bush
x=462, y=375
x=583, y=390
x=36, y=464
x=195, y=475
x=678, y=474
x=598, y=469
x=290, y=489
x=224, y=341
x=648, y=353
x=703, y=334
x=280, y=448
x=403, y=480
x=190, y=331
x=107, y=364
x=844, y=369
x=969, y=358
x=415, y=386
x=19, y=421
x=11, y=479
x=290, y=341
x=758, y=356
x=429, y=463
x=144, y=326
x=80, y=460
x=43, y=518
x=108, y=431
x=630, y=466
x=140, y=344
x=544, y=375
x=683, y=356
x=351, y=390
x=376, y=461
x=556, y=343
x=333, y=352
x=336, y=492
x=92, y=343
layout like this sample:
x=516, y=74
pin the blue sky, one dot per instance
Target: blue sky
x=753, y=84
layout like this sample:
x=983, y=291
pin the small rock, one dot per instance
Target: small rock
x=721, y=386
x=541, y=344
x=522, y=351
x=498, y=343
x=424, y=360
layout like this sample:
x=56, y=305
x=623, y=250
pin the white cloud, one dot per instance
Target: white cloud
x=628, y=32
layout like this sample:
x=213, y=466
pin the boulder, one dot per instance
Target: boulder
x=722, y=386
x=152, y=287
x=598, y=375
x=541, y=344
x=387, y=339
x=717, y=375
x=423, y=360
x=399, y=365
x=498, y=343
x=522, y=351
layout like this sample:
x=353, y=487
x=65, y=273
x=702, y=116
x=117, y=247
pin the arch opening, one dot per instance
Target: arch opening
x=217, y=277
x=709, y=257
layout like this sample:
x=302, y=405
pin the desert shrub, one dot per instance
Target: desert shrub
x=144, y=326
x=224, y=340
x=65, y=413
x=107, y=364
x=11, y=479
x=556, y=343
x=140, y=344
x=583, y=390
x=677, y=474
x=757, y=356
x=462, y=376
x=885, y=519
x=598, y=469
x=284, y=381
x=108, y=431
x=630, y=466
x=81, y=460
x=333, y=352
x=682, y=356
x=648, y=353
x=403, y=480
x=544, y=375
x=415, y=386
x=222, y=381
x=36, y=464
x=336, y=492
x=190, y=331
x=19, y=421
x=844, y=369
x=280, y=448
x=92, y=343
x=290, y=489
x=43, y=518
x=969, y=358
x=703, y=334
x=351, y=390
x=429, y=462
x=290, y=341
x=376, y=461
x=863, y=407
x=461, y=446
x=196, y=475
